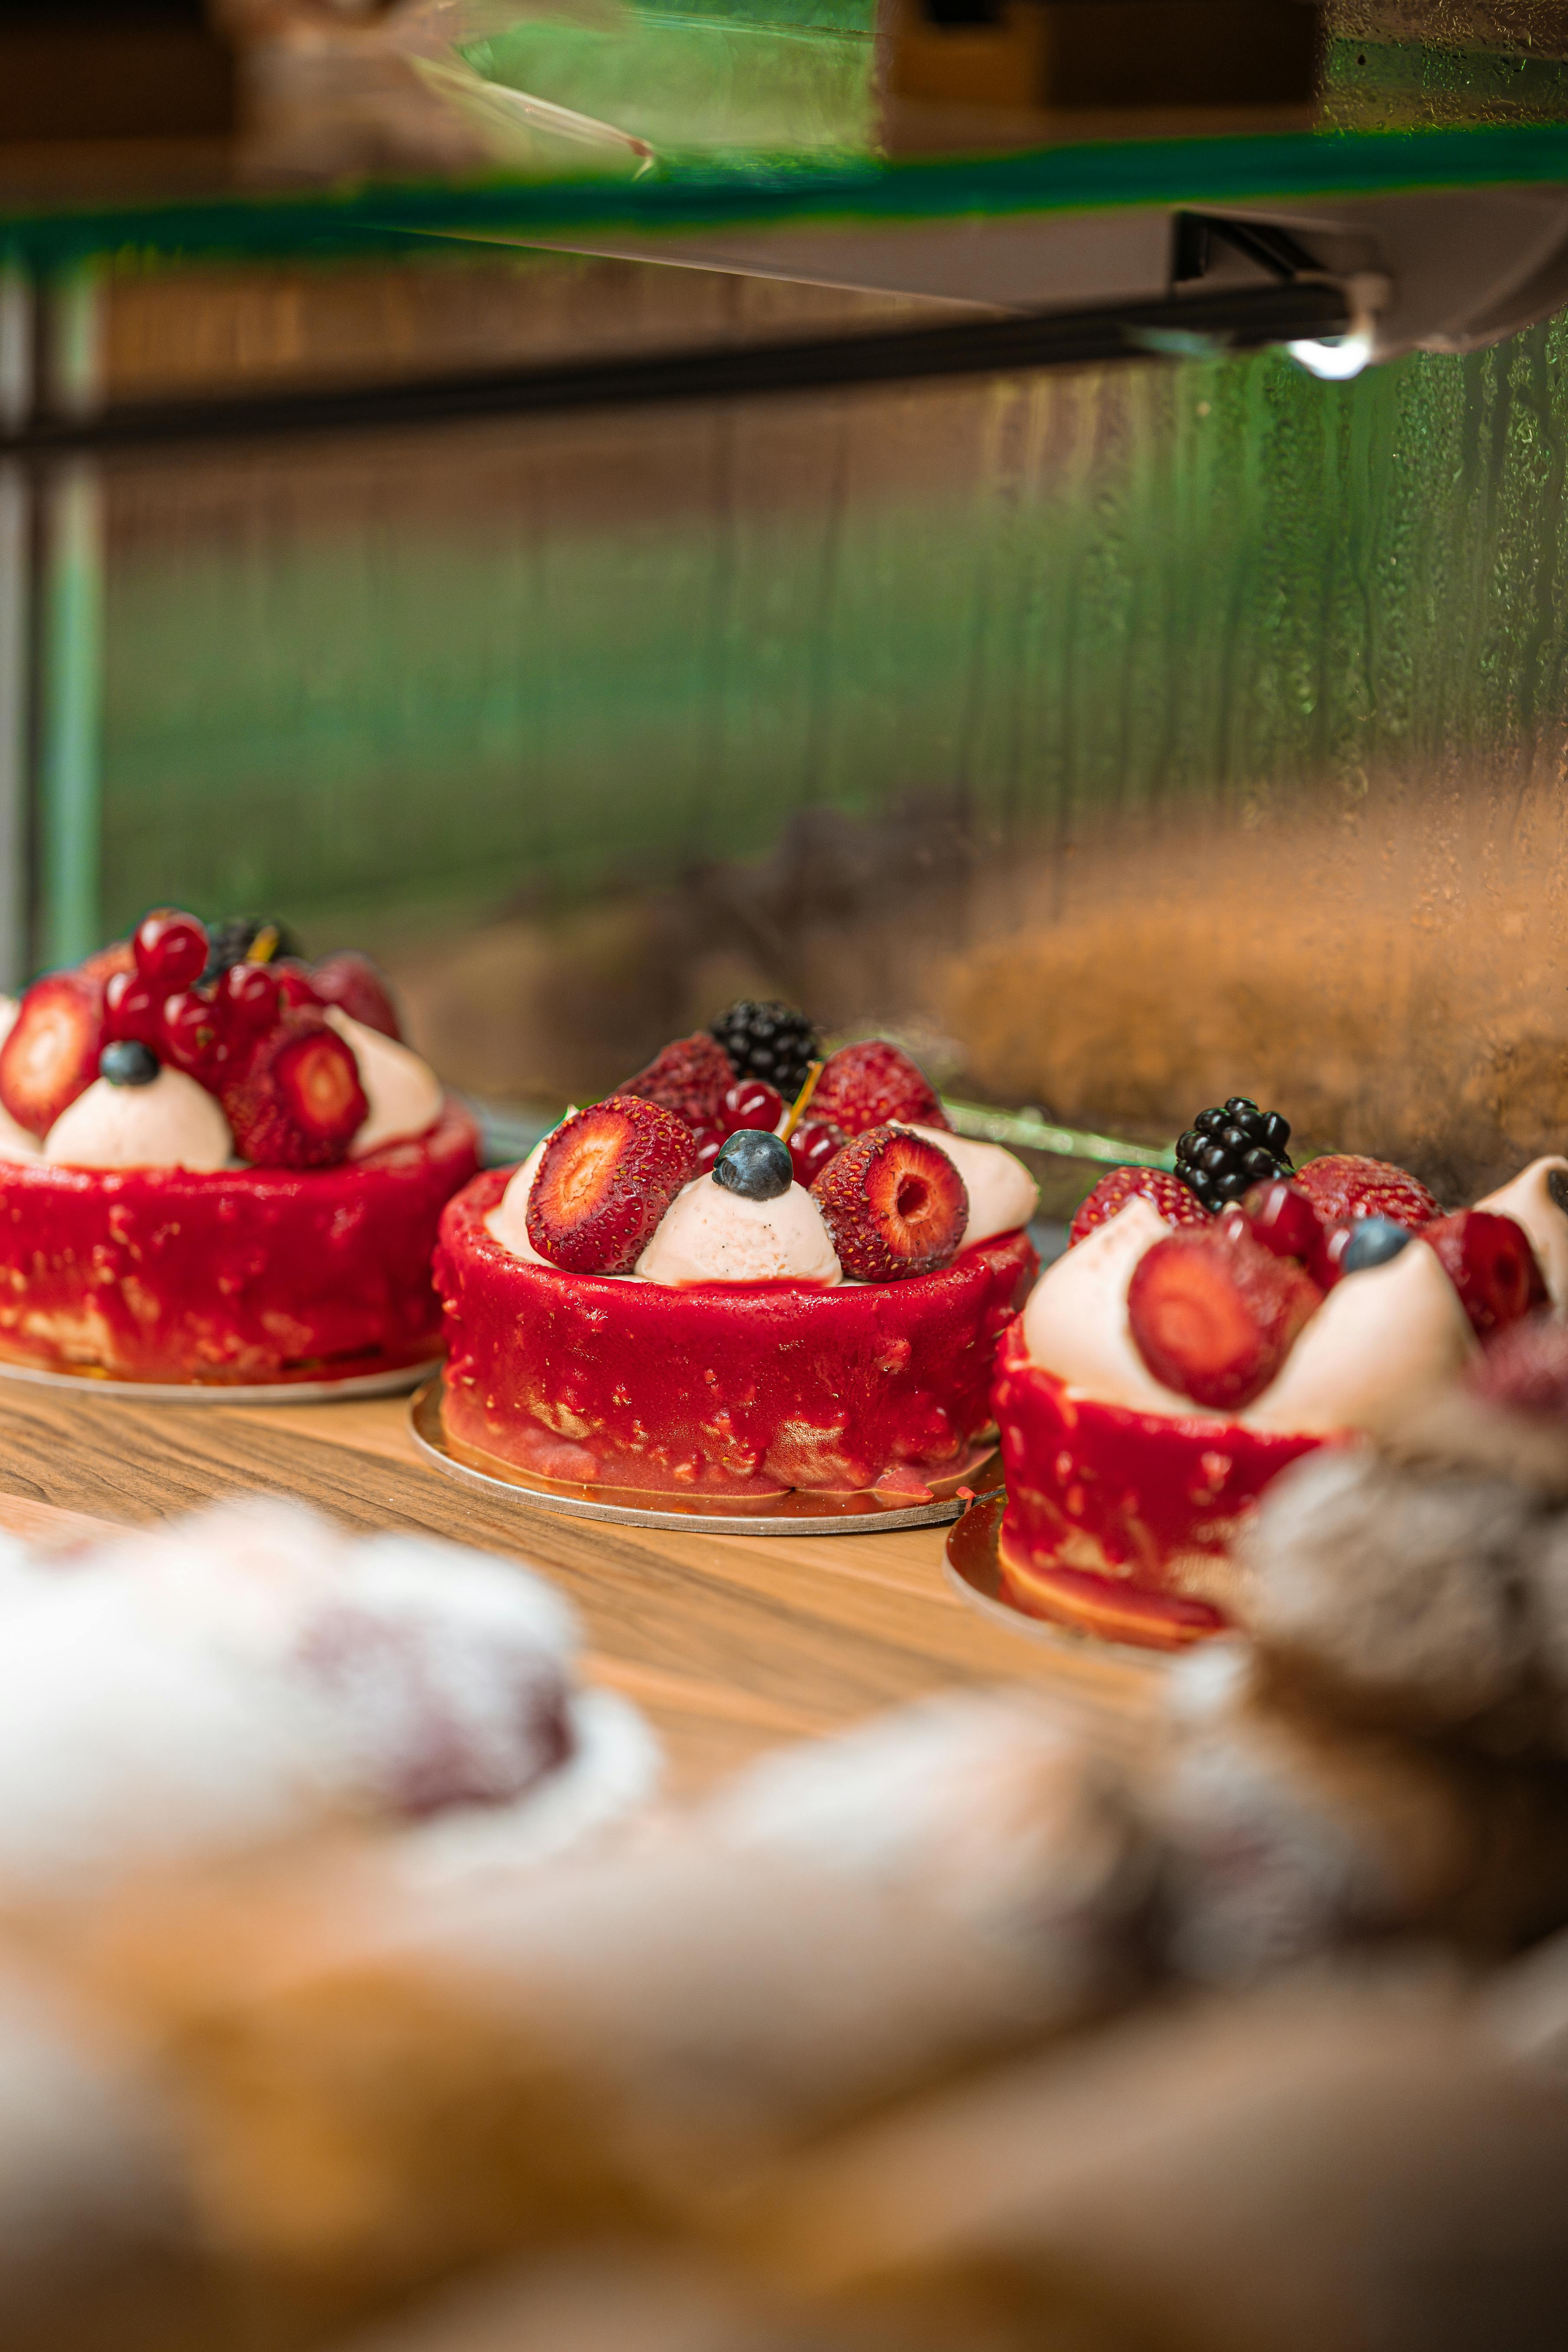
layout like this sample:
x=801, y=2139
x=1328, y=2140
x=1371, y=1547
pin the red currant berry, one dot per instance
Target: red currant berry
x=751, y=1102
x=131, y=1009
x=191, y=1034
x=293, y=981
x=1326, y=1263
x=248, y=992
x=710, y=1142
x=811, y=1147
x=171, y=949
x=1283, y=1219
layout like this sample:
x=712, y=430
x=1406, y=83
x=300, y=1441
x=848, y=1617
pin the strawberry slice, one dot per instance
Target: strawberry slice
x=691, y=1077
x=865, y=1085
x=1176, y=1202
x=894, y=1204
x=1214, y=1313
x=299, y=1102
x=1489, y=1261
x=607, y=1177
x=51, y=1054
x=356, y=987
x=1343, y=1185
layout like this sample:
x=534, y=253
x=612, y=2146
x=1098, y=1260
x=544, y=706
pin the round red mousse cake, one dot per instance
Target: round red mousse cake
x=232, y=1276
x=743, y=1391
x=1121, y=1523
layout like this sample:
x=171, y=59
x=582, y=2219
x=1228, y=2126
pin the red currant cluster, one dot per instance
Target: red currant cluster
x=206, y=1028
x=751, y=1102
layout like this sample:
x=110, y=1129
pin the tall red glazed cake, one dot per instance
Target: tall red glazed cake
x=219, y=1166
x=680, y=1294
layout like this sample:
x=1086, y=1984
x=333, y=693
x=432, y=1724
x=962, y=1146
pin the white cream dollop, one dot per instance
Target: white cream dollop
x=1381, y=1341
x=710, y=1235
x=1529, y=1202
x=508, y=1221
x=170, y=1123
x=404, y=1093
x=1002, y=1194
x=1075, y=1324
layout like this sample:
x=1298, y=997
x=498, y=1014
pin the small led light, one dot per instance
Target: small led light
x=1336, y=358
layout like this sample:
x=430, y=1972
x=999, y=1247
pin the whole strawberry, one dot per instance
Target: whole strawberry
x=894, y=1204
x=607, y=1177
x=866, y=1085
x=1343, y=1185
x=691, y=1077
x=1214, y=1313
x=1176, y=1201
x=357, y=987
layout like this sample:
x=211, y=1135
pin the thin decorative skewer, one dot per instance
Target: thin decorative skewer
x=798, y=1107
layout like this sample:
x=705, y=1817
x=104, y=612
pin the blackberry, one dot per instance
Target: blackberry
x=768, y=1041
x=1228, y=1150
x=230, y=941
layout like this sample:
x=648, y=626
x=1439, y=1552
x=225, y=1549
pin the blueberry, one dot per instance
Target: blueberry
x=1373, y=1242
x=754, y=1164
x=127, y=1063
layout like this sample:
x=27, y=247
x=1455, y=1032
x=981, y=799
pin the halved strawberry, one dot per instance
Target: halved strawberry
x=1174, y=1201
x=299, y=1102
x=1343, y=1185
x=51, y=1054
x=1489, y=1261
x=894, y=1204
x=608, y=1175
x=691, y=1077
x=1214, y=1313
x=353, y=985
x=865, y=1085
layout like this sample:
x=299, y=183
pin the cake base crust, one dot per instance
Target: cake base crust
x=246, y=1274
x=752, y=1391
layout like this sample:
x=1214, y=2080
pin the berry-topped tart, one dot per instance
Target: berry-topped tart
x=745, y=1275
x=219, y=1167
x=1206, y=1328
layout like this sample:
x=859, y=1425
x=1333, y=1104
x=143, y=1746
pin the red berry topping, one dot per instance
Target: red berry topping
x=1283, y=1219
x=51, y=1054
x=894, y=1204
x=1214, y=1313
x=353, y=985
x=607, y=1177
x=866, y=1085
x=299, y=1103
x=1174, y=1201
x=117, y=956
x=710, y=1142
x=247, y=997
x=132, y=1009
x=171, y=950
x=295, y=984
x=1525, y=1368
x=193, y=1035
x=812, y=1146
x=751, y=1102
x=1491, y=1264
x=691, y=1077
x=1343, y=1185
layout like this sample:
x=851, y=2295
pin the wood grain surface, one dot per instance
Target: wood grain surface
x=730, y=1644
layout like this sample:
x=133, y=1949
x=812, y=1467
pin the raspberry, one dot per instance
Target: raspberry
x=51, y=1054
x=352, y=983
x=894, y=1204
x=1167, y=1193
x=1343, y=1185
x=1489, y=1260
x=299, y=1103
x=866, y=1085
x=1214, y=1313
x=607, y=1177
x=691, y=1077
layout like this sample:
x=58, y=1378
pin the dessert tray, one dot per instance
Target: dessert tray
x=396, y=1381
x=797, y=1514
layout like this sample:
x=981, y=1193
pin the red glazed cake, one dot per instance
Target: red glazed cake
x=219, y=1166
x=1188, y=1348
x=672, y=1302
